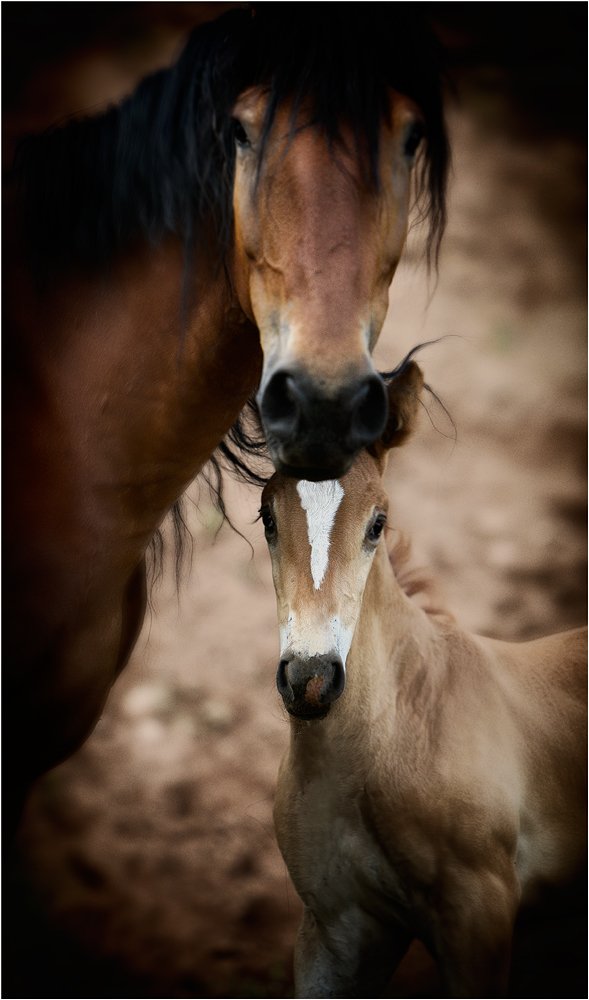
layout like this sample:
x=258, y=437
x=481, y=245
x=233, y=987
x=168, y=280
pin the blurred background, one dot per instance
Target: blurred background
x=149, y=866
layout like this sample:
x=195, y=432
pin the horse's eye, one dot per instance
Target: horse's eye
x=269, y=522
x=376, y=529
x=240, y=134
x=413, y=137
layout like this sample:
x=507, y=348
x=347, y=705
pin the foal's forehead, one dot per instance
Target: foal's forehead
x=359, y=490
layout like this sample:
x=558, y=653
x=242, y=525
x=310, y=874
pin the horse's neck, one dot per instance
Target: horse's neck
x=134, y=389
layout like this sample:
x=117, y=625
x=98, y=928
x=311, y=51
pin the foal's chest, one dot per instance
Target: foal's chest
x=332, y=856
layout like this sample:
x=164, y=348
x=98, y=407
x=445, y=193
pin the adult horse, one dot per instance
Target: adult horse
x=232, y=227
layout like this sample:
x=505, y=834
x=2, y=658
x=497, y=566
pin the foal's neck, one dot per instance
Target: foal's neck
x=394, y=640
x=393, y=633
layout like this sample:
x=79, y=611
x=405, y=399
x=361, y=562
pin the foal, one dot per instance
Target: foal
x=444, y=784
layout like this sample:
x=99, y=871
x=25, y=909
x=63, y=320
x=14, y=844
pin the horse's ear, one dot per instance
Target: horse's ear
x=403, y=392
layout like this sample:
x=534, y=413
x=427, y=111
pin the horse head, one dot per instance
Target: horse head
x=328, y=157
x=317, y=245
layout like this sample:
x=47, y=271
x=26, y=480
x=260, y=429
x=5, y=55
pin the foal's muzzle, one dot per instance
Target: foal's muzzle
x=312, y=435
x=309, y=686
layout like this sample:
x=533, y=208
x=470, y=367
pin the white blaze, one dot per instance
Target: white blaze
x=308, y=638
x=320, y=501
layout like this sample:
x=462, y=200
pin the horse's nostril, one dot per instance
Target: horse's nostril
x=370, y=410
x=314, y=428
x=280, y=403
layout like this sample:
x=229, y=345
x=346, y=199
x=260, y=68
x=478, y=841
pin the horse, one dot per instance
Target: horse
x=229, y=230
x=434, y=780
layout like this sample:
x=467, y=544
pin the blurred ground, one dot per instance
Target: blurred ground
x=149, y=867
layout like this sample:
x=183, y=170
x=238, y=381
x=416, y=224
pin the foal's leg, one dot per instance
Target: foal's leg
x=352, y=956
x=474, y=935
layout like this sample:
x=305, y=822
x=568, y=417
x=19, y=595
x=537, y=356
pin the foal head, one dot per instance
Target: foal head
x=322, y=539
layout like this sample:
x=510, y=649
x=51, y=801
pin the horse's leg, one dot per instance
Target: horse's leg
x=352, y=956
x=474, y=937
x=21, y=766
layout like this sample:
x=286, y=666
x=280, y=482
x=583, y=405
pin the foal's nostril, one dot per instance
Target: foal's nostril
x=339, y=678
x=281, y=678
x=370, y=409
x=309, y=685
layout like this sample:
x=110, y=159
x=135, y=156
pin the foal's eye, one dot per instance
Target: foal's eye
x=413, y=136
x=268, y=521
x=240, y=135
x=376, y=529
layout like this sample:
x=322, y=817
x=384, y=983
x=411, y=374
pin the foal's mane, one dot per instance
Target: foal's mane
x=417, y=583
x=162, y=161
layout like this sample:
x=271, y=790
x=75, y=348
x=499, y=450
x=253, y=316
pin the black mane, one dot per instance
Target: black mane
x=162, y=161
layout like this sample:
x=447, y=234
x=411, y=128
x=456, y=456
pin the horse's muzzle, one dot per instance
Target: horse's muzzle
x=309, y=686
x=312, y=435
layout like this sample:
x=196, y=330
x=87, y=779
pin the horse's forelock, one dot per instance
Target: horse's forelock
x=342, y=62
x=165, y=157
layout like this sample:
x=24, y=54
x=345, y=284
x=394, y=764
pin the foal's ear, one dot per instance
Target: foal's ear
x=403, y=391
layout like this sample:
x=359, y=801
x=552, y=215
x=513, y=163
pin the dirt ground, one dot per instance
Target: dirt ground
x=149, y=865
